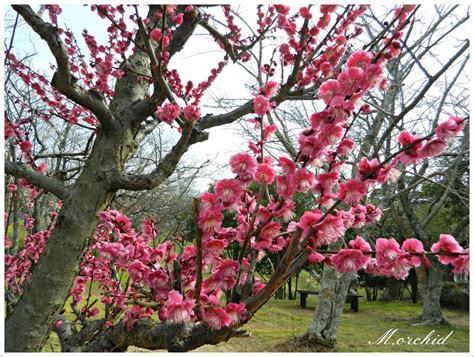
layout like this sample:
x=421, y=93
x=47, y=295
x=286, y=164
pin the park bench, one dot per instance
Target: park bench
x=304, y=294
x=352, y=298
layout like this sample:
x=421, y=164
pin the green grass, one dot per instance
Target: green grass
x=280, y=320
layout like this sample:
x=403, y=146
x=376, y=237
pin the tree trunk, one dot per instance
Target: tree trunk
x=16, y=225
x=413, y=281
x=37, y=214
x=392, y=290
x=29, y=325
x=332, y=296
x=431, y=282
x=290, y=292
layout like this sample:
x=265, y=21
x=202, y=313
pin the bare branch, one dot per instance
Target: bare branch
x=47, y=183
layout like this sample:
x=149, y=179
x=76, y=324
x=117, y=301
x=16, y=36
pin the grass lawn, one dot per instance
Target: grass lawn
x=280, y=320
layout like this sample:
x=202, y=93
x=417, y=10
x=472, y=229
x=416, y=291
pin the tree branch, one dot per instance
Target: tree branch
x=47, y=183
x=166, y=167
x=62, y=78
x=146, y=333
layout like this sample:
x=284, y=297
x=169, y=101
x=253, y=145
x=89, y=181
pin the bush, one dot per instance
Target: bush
x=455, y=295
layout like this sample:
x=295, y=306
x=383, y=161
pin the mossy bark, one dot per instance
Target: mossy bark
x=327, y=314
x=431, y=282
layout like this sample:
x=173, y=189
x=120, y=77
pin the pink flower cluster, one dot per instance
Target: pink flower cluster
x=418, y=150
x=118, y=248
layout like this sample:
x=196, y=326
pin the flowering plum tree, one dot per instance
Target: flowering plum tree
x=165, y=294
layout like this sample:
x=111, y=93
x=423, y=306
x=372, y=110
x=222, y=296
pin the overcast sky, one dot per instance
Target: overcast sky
x=194, y=63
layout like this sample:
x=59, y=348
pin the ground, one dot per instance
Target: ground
x=280, y=320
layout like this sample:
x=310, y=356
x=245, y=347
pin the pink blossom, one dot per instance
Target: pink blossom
x=374, y=76
x=215, y=246
x=157, y=279
x=328, y=90
x=461, y=264
x=352, y=191
x=350, y=80
x=261, y=105
x=330, y=230
x=268, y=132
x=372, y=213
x=315, y=258
x=287, y=165
x=191, y=113
x=237, y=312
x=155, y=35
x=286, y=212
x=228, y=191
x=168, y=112
x=178, y=311
x=26, y=146
x=405, y=138
x=365, y=167
x=349, y=260
x=269, y=89
x=243, y=165
x=138, y=271
x=285, y=186
x=326, y=181
x=12, y=187
x=217, y=318
x=42, y=167
x=265, y=174
x=225, y=268
x=331, y=133
x=305, y=12
x=111, y=251
x=360, y=59
x=433, y=148
x=303, y=180
x=446, y=244
x=361, y=244
x=308, y=220
x=210, y=221
x=270, y=230
x=345, y=147
x=400, y=267
x=413, y=245
x=387, y=251
x=177, y=19
x=449, y=128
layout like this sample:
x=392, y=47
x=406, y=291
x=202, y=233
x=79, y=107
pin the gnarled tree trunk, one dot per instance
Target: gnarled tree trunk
x=53, y=276
x=328, y=311
x=431, y=282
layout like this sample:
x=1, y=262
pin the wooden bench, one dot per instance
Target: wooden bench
x=304, y=294
x=354, y=300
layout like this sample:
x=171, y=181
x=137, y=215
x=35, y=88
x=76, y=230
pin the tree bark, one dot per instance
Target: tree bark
x=326, y=317
x=52, y=278
x=431, y=283
x=146, y=333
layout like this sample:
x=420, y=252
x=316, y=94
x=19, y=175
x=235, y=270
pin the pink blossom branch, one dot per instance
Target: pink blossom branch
x=62, y=79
